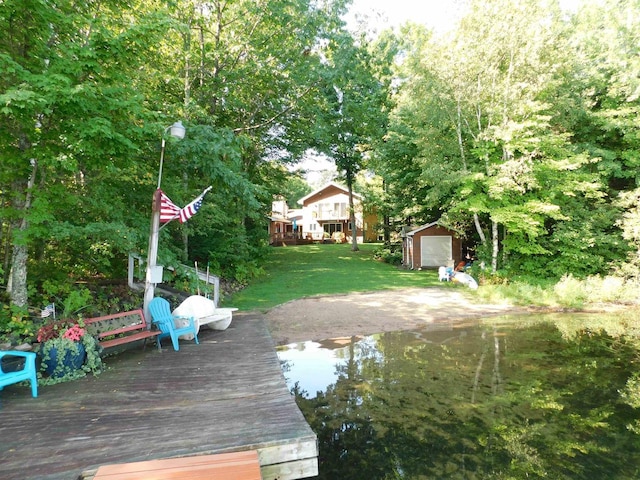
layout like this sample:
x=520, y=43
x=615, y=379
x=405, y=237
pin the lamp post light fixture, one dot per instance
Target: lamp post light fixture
x=176, y=130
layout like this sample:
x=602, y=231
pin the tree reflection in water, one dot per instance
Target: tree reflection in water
x=507, y=398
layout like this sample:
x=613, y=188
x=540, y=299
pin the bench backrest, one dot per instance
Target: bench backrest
x=116, y=323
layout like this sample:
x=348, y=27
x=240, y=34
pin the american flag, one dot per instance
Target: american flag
x=48, y=310
x=190, y=210
x=168, y=209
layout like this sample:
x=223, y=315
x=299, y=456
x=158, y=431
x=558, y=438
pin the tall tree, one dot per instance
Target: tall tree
x=356, y=109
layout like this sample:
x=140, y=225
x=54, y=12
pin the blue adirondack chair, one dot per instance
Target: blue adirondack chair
x=161, y=315
x=28, y=372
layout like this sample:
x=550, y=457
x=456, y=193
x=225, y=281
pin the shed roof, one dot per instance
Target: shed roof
x=419, y=229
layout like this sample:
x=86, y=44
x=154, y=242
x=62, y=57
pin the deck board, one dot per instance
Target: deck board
x=226, y=394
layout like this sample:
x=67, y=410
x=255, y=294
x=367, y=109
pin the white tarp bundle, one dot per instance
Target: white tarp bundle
x=205, y=312
x=465, y=279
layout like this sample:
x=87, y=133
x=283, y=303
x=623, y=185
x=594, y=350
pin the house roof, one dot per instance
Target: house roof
x=279, y=219
x=297, y=214
x=419, y=229
x=330, y=185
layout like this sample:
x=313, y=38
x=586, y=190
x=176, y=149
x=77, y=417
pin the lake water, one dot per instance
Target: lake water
x=528, y=397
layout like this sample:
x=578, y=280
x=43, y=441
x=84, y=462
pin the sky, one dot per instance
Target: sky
x=437, y=14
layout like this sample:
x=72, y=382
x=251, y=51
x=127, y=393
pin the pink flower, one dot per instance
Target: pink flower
x=74, y=333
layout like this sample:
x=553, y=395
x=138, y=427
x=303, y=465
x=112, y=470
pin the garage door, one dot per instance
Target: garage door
x=435, y=251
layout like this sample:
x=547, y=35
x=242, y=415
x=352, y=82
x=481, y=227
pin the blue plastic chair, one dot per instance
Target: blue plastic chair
x=28, y=372
x=161, y=315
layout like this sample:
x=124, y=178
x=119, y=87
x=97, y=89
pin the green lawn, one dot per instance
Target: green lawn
x=302, y=271
x=305, y=270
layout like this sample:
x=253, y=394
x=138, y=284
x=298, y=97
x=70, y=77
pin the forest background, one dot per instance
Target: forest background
x=518, y=129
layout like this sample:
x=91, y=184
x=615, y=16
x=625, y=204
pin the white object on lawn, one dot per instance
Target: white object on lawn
x=442, y=274
x=465, y=279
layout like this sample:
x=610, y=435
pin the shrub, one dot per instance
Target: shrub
x=16, y=326
x=570, y=291
x=391, y=253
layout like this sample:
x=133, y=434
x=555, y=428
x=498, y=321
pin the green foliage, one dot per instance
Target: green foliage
x=295, y=188
x=630, y=224
x=70, y=300
x=82, y=118
x=631, y=396
x=490, y=127
x=391, y=253
x=16, y=326
x=596, y=289
x=568, y=292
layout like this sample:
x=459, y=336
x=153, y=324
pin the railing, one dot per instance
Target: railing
x=203, y=276
x=330, y=215
x=294, y=238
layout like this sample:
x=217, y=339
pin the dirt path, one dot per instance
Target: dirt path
x=324, y=317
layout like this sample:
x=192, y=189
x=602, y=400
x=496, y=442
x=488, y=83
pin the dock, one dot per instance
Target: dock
x=226, y=395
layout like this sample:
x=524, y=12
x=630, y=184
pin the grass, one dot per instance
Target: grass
x=306, y=270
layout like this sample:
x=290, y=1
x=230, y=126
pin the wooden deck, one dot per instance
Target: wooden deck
x=227, y=394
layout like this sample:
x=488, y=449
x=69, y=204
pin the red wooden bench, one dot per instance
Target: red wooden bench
x=227, y=466
x=120, y=328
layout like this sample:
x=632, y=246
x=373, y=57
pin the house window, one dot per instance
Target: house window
x=332, y=227
x=332, y=210
x=340, y=210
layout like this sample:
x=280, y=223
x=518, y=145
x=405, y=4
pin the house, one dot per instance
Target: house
x=284, y=224
x=430, y=246
x=325, y=214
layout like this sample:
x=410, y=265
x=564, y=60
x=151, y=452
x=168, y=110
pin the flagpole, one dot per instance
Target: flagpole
x=152, y=257
x=176, y=130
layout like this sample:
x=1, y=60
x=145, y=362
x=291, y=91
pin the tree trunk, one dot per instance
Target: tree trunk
x=17, y=285
x=7, y=251
x=185, y=245
x=476, y=222
x=386, y=219
x=352, y=214
x=463, y=157
x=354, y=226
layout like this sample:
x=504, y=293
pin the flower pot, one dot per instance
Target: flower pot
x=67, y=358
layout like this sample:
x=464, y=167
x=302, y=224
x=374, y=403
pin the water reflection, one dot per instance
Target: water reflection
x=506, y=398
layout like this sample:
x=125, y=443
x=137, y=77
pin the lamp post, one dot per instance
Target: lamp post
x=176, y=130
